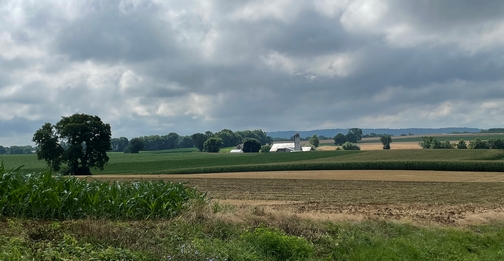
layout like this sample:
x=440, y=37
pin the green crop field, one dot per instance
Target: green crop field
x=190, y=161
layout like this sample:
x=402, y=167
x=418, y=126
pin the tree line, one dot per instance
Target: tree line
x=214, y=141
x=433, y=143
x=17, y=149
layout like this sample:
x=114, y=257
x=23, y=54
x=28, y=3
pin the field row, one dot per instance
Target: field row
x=315, y=196
x=164, y=162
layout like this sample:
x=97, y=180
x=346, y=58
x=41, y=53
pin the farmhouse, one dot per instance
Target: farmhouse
x=289, y=146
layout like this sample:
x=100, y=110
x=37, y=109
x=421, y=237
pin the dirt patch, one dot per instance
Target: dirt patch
x=375, y=175
x=422, y=197
x=458, y=215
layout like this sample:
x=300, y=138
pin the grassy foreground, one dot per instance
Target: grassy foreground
x=189, y=161
x=55, y=218
x=211, y=233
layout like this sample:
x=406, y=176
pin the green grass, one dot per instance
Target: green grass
x=207, y=238
x=191, y=161
x=167, y=162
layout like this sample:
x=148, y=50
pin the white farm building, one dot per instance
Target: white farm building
x=289, y=146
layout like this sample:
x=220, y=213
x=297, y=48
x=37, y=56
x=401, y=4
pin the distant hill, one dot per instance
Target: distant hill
x=396, y=132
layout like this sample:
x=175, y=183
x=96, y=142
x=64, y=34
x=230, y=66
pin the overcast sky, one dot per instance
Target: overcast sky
x=154, y=67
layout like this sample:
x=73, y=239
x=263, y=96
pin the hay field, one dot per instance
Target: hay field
x=425, y=197
x=378, y=146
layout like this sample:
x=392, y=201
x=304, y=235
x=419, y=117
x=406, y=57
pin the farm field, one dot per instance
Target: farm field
x=323, y=214
x=378, y=146
x=425, y=197
x=187, y=161
x=400, y=141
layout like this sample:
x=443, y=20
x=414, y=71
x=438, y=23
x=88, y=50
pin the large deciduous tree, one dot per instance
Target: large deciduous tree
x=212, y=144
x=354, y=135
x=386, y=140
x=199, y=140
x=88, y=140
x=251, y=145
x=118, y=144
x=185, y=142
x=314, y=141
x=339, y=139
x=135, y=145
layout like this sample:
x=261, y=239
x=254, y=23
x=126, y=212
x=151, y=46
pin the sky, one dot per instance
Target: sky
x=154, y=67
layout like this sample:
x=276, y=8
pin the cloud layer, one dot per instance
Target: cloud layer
x=153, y=67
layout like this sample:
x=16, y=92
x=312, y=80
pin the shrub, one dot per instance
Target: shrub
x=428, y=143
x=275, y=244
x=433, y=143
x=478, y=144
x=444, y=145
x=350, y=146
x=461, y=144
x=495, y=144
x=265, y=148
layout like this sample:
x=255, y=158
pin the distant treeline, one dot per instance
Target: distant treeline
x=329, y=133
x=174, y=141
x=493, y=130
x=17, y=150
x=433, y=143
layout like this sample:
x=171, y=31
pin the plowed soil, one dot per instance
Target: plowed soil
x=454, y=198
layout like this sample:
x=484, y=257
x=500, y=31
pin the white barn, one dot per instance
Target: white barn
x=289, y=146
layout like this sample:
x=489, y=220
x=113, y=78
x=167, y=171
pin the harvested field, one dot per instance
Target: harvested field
x=376, y=175
x=379, y=146
x=455, y=198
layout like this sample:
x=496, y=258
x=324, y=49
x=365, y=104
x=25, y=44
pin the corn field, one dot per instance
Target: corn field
x=483, y=166
x=46, y=196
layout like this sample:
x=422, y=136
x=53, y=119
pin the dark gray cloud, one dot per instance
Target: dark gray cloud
x=151, y=67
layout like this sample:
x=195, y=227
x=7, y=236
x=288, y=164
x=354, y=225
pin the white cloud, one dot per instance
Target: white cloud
x=188, y=66
x=329, y=65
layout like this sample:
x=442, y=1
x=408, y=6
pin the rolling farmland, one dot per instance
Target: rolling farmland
x=326, y=204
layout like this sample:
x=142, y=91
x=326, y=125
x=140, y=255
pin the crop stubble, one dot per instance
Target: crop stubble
x=419, y=196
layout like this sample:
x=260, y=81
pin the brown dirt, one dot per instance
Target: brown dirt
x=422, y=197
x=377, y=175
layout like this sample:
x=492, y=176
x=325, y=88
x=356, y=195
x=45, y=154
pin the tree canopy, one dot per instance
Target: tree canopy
x=354, y=135
x=386, y=140
x=314, y=140
x=88, y=140
x=251, y=145
x=339, y=139
x=135, y=145
x=212, y=144
x=199, y=140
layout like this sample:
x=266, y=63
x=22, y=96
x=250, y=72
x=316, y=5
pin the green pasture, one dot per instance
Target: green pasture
x=192, y=161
